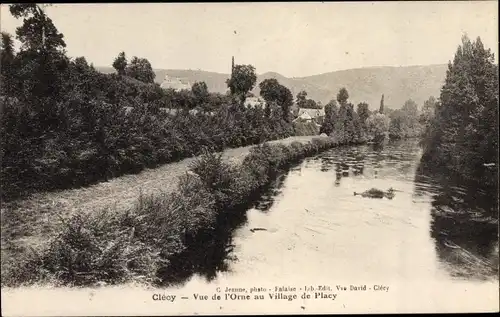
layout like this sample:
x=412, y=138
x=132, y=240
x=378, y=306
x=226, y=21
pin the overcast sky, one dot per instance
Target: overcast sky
x=294, y=39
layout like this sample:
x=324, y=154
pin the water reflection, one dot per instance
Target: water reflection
x=310, y=212
x=212, y=250
x=464, y=226
x=268, y=197
x=465, y=247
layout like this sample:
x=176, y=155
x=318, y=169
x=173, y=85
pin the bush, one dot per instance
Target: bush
x=92, y=248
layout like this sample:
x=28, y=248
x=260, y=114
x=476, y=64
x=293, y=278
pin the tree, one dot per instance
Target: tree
x=140, y=69
x=200, y=89
x=331, y=111
x=381, y=109
x=410, y=107
x=81, y=64
x=428, y=111
x=41, y=63
x=7, y=49
x=342, y=96
x=272, y=91
x=6, y=60
x=464, y=132
x=301, y=99
x=38, y=32
x=429, y=107
x=200, y=92
x=243, y=79
x=120, y=64
x=304, y=102
x=311, y=104
x=378, y=126
x=363, y=113
x=397, y=126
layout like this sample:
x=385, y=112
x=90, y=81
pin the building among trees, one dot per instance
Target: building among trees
x=175, y=83
x=316, y=115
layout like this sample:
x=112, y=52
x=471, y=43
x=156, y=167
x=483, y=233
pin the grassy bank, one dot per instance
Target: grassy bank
x=155, y=238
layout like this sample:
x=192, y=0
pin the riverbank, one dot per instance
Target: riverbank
x=139, y=242
x=316, y=232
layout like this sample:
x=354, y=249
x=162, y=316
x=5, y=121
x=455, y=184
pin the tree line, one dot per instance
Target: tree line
x=65, y=124
x=352, y=125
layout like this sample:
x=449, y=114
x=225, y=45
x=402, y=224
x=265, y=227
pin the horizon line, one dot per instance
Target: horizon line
x=292, y=77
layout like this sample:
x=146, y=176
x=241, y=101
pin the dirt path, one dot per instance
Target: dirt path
x=31, y=221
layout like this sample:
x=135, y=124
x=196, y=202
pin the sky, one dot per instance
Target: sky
x=294, y=39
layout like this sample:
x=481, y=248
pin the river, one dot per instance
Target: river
x=434, y=241
x=432, y=248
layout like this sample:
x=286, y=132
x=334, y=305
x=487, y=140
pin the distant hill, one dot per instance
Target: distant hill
x=398, y=84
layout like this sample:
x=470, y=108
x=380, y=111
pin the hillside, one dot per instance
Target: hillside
x=364, y=84
x=397, y=83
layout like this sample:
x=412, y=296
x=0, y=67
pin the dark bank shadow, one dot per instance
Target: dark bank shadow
x=269, y=195
x=464, y=223
x=211, y=251
x=378, y=147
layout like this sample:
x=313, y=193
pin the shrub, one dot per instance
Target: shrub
x=96, y=247
x=217, y=177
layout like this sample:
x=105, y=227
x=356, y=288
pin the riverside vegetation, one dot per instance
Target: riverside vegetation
x=462, y=136
x=66, y=125
x=160, y=239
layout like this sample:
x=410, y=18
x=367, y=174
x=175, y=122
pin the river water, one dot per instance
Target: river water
x=435, y=244
x=432, y=248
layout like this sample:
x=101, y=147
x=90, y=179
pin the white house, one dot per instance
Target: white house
x=316, y=115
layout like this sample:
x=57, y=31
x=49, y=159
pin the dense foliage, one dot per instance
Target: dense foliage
x=273, y=92
x=242, y=81
x=378, y=125
x=304, y=102
x=66, y=125
x=343, y=123
x=463, y=135
x=406, y=122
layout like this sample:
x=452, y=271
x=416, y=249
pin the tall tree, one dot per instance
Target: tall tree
x=342, y=96
x=243, y=79
x=120, y=63
x=363, y=113
x=331, y=112
x=41, y=61
x=38, y=32
x=7, y=49
x=464, y=131
x=272, y=91
x=6, y=60
x=381, y=109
